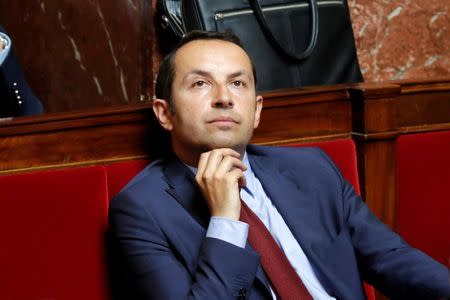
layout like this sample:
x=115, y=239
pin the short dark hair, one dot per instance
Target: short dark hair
x=166, y=73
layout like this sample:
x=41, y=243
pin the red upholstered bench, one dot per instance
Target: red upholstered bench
x=52, y=227
x=423, y=207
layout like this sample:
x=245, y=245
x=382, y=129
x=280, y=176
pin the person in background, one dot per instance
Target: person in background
x=16, y=96
x=219, y=218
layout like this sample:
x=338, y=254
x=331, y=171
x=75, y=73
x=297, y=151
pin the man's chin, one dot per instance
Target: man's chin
x=239, y=147
x=230, y=140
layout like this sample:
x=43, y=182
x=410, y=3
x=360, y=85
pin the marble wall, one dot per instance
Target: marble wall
x=402, y=39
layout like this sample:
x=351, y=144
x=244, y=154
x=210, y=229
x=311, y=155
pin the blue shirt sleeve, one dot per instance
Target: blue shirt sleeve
x=231, y=231
x=4, y=52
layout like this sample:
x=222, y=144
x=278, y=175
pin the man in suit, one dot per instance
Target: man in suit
x=182, y=230
x=16, y=96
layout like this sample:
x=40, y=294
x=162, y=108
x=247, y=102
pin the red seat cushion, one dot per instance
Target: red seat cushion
x=52, y=227
x=423, y=207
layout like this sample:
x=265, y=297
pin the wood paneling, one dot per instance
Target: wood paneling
x=375, y=130
x=305, y=115
x=85, y=137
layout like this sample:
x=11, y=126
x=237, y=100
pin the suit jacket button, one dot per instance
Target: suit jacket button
x=242, y=294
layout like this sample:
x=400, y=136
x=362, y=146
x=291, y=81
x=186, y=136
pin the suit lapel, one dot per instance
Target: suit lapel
x=287, y=196
x=293, y=202
x=284, y=194
x=182, y=187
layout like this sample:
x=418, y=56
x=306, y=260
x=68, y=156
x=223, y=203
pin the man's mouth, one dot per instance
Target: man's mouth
x=223, y=120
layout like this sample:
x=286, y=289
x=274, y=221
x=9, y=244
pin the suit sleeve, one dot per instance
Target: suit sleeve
x=386, y=260
x=156, y=271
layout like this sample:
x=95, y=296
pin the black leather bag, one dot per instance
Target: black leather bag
x=292, y=43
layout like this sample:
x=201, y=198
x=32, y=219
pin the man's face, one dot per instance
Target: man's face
x=214, y=98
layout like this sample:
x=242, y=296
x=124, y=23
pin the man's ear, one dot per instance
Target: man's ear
x=259, y=106
x=162, y=111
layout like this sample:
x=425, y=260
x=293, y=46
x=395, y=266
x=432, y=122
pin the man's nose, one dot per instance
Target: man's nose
x=223, y=98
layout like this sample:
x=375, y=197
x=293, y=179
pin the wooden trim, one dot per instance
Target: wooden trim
x=74, y=165
x=424, y=128
x=308, y=139
x=72, y=120
x=388, y=135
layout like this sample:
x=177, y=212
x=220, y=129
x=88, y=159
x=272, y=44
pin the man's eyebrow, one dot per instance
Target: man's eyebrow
x=208, y=74
x=198, y=72
x=239, y=73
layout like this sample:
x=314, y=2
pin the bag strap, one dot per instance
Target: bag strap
x=256, y=7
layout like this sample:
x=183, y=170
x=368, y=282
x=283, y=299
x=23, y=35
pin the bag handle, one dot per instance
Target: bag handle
x=256, y=7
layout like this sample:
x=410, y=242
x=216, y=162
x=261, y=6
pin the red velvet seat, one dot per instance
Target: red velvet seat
x=423, y=207
x=52, y=227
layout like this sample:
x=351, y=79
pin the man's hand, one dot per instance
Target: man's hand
x=220, y=177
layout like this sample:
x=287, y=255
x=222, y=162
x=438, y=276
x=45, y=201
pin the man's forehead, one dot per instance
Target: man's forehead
x=208, y=43
x=202, y=52
x=212, y=56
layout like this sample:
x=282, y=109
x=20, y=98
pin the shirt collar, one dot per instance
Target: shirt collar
x=249, y=175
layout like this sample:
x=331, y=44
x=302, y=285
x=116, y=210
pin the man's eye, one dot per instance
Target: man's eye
x=199, y=83
x=238, y=83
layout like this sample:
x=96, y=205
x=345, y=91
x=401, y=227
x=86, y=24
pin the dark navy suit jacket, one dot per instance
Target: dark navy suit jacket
x=16, y=96
x=158, y=222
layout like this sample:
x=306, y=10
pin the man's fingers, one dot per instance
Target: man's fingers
x=238, y=176
x=242, y=181
x=203, y=161
x=210, y=161
x=227, y=151
x=219, y=176
x=229, y=163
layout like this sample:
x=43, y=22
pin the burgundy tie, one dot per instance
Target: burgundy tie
x=285, y=281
